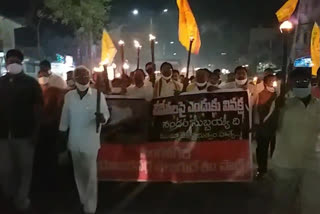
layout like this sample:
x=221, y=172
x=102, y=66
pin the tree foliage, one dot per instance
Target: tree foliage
x=83, y=15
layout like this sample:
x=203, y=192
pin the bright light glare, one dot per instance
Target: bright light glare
x=118, y=75
x=174, y=54
x=114, y=65
x=156, y=42
x=184, y=70
x=165, y=10
x=172, y=42
x=135, y=12
x=151, y=37
x=121, y=42
x=110, y=72
x=223, y=54
x=287, y=25
x=275, y=84
x=126, y=66
x=105, y=62
x=225, y=71
x=98, y=69
x=136, y=44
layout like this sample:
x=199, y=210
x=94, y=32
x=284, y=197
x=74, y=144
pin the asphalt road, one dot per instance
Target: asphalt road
x=160, y=198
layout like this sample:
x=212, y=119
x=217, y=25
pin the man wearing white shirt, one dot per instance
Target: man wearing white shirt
x=165, y=86
x=46, y=77
x=201, y=83
x=80, y=117
x=139, y=89
x=296, y=161
x=242, y=81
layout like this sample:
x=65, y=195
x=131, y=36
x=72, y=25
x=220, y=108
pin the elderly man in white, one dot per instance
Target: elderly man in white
x=79, y=116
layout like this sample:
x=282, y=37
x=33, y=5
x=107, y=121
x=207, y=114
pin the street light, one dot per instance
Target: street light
x=135, y=12
x=285, y=28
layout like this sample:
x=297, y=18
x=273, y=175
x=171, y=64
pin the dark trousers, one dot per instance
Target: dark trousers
x=265, y=143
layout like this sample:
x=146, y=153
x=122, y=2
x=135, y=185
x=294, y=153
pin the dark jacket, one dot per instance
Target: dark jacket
x=20, y=95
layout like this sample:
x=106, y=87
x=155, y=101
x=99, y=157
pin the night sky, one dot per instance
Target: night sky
x=224, y=24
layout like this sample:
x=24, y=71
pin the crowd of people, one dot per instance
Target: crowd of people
x=40, y=119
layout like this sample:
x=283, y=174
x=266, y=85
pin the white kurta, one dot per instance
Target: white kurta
x=79, y=116
x=144, y=92
x=167, y=89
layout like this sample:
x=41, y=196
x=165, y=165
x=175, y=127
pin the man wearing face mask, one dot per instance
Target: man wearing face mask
x=165, y=86
x=201, y=83
x=20, y=108
x=242, y=82
x=139, y=89
x=296, y=160
x=79, y=116
x=46, y=77
x=265, y=121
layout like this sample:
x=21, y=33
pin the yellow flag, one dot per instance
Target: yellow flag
x=188, y=27
x=286, y=11
x=315, y=48
x=108, y=50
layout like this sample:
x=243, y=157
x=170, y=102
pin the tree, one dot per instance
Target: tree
x=86, y=17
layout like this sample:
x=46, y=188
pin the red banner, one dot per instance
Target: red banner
x=188, y=138
x=176, y=162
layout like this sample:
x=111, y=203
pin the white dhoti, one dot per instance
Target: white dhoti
x=85, y=173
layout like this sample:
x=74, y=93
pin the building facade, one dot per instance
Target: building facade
x=308, y=13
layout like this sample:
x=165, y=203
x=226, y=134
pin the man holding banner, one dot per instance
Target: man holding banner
x=165, y=86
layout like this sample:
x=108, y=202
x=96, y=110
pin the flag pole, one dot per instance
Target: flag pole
x=188, y=62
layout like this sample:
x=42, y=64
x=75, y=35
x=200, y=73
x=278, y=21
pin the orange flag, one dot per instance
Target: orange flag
x=108, y=50
x=188, y=27
x=286, y=11
x=315, y=49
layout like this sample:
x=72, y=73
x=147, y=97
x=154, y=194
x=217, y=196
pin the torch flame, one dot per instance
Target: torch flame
x=286, y=25
x=151, y=37
x=255, y=80
x=98, y=69
x=275, y=84
x=137, y=44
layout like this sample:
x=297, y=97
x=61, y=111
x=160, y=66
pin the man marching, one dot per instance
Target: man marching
x=79, y=116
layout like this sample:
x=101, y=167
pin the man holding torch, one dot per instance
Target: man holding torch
x=79, y=115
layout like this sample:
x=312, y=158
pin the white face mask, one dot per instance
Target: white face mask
x=43, y=80
x=70, y=83
x=14, y=68
x=270, y=89
x=241, y=82
x=82, y=87
x=302, y=92
x=201, y=84
x=166, y=78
